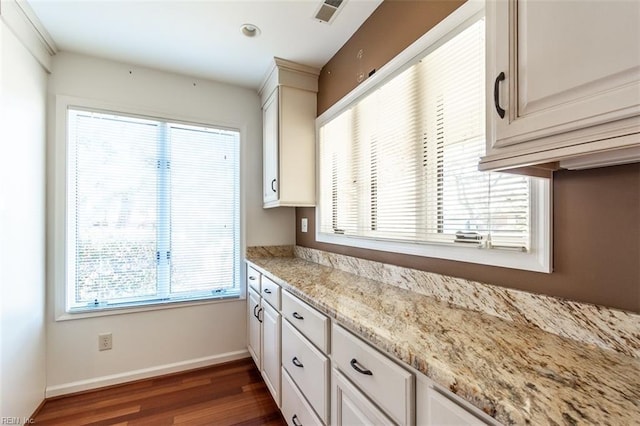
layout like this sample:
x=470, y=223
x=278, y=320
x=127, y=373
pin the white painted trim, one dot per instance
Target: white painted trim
x=24, y=23
x=60, y=196
x=144, y=373
x=607, y=158
x=44, y=35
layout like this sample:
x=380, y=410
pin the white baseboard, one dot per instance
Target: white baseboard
x=145, y=373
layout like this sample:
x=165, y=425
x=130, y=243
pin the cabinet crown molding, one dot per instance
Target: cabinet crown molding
x=287, y=73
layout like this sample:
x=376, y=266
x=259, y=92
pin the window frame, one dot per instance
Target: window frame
x=538, y=258
x=60, y=222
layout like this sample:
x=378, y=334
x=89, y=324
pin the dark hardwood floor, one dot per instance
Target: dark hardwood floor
x=228, y=394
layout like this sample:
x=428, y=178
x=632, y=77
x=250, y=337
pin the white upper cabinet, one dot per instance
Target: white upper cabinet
x=567, y=75
x=289, y=112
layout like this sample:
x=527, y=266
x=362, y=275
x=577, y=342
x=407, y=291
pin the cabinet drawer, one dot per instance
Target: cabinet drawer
x=308, y=367
x=271, y=292
x=295, y=409
x=443, y=411
x=350, y=407
x=253, y=278
x=310, y=322
x=390, y=386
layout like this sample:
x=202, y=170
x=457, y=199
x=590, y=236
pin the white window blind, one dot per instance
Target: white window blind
x=400, y=163
x=153, y=211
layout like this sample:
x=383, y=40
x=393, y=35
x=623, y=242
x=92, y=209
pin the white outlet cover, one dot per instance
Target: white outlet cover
x=304, y=224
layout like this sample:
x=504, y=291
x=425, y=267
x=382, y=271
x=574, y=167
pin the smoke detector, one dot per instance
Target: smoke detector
x=328, y=10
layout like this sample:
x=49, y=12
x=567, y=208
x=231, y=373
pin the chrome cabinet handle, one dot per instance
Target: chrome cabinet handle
x=297, y=316
x=259, y=310
x=266, y=290
x=273, y=183
x=294, y=419
x=254, y=311
x=252, y=278
x=354, y=364
x=297, y=362
x=496, y=94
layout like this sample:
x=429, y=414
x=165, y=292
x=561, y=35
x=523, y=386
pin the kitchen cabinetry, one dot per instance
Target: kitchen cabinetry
x=351, y=407
x=271, y=350
x=563, y=83
x=437, y=406
x=295, y=408
x=383, y=381
x=288, y=96
x=255, y=327
x=264, y=328
x=321, y=374
x=306, y=364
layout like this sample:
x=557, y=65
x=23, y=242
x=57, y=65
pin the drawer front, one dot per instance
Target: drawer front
x=295, y=409
x=350, y=407
x=443, y=411
x=310, y=322
x=253, y=278
x=271, y=292
x=390, y=386
x=308, y=367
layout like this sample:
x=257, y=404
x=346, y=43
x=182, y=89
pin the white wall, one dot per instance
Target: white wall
x=153, y=342
x=22, y=228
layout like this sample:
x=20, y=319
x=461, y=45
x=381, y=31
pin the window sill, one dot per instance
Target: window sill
x=154, y=306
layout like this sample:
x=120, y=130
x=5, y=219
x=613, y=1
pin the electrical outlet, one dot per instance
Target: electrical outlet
x=304, y=224
x=105, y=342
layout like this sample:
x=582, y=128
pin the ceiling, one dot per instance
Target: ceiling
x=201, y=38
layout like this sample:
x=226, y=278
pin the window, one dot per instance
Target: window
x=398, y=166
x=152, y=211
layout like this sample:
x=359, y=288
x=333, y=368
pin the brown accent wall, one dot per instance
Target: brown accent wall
x=596, y=212
x=392, y=27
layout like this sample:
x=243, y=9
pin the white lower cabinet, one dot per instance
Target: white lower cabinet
x=255, y=327
x=271, y=321
x=295, y=408
x=358, y=385
x=385, y=382
x=442, y=411
x=437, y=406
x=263, y=330
x=350, y=407
x=308, y=367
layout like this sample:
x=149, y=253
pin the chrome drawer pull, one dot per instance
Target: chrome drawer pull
x=297, y=316
x=354, y=364
x=297, y=362
x=252, y=278
x=294, y=419
x=266, y=290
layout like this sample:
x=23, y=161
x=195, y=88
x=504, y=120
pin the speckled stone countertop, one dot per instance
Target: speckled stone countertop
x=516, y=373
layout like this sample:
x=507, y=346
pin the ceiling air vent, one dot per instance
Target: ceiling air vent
x=328, y=10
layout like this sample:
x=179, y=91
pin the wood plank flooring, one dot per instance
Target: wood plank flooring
x=228, y=394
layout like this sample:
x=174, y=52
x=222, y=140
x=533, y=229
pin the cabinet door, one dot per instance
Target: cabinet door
x=255, y=327
x=271, y=350
x=350, y=407
x=442, y=411
x=270, y=153
x=568, y=65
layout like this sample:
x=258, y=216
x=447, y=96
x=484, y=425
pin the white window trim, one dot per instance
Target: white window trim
x=57, y=218
x=538, y=258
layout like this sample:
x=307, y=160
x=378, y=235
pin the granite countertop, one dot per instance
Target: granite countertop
x=516, y=373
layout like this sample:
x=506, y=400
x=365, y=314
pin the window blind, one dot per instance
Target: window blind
x=401, y=162
x=153, y=211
